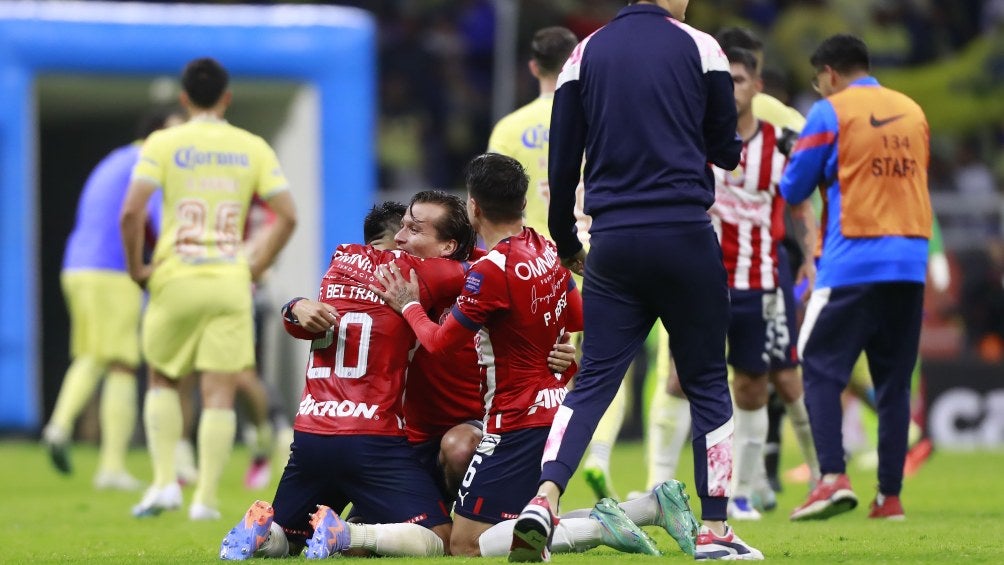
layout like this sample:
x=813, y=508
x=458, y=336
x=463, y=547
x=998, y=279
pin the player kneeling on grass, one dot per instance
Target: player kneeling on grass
x=519, y=300
x=608, y=523
x=438, y=227
x=349, y=444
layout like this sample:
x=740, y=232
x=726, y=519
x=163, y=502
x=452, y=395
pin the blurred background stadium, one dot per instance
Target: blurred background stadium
x=388, y=97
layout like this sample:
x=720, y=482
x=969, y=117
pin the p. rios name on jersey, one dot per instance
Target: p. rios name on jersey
x=337, y=408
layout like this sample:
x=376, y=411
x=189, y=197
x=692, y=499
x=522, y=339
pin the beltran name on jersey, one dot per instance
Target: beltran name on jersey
x=748, y=209
x=869, y=147
x=356, y=372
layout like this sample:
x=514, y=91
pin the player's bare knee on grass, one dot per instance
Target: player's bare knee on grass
x=465, y=540
x=444, y=532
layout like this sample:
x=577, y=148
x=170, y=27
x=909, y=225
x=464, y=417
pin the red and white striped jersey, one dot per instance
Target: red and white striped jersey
x=748, y=212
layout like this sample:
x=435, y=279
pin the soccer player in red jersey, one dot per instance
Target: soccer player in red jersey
x=519, y=301
x=349, y=439
x=443, y=405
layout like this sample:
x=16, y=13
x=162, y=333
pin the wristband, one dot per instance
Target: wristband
x=287, y=310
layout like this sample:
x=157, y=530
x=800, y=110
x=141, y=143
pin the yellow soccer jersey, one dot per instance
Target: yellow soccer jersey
x=523, y=135
x=208, y=171
x=770, y=109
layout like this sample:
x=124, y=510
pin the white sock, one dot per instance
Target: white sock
x=575, y=535
x=397, y=540
x=571, y=535
x=643, y=511
x=578, y=513
x=276, y=544
x=750, y=437
x=799, y=418
x=599, y=456
x=496, y=540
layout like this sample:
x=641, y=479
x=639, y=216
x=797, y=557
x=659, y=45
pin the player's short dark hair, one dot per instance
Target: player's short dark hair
x=382, y=219
x=154, y=119
x=204, y=80
x=843, y=53
x=743, y=57
x=498, y=184
x=454, y=224
x=741, y=37
x=551, y=46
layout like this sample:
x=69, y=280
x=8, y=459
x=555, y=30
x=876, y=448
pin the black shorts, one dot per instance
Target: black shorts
x=503, y=475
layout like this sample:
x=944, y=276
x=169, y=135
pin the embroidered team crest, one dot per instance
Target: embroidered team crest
x=473, y=283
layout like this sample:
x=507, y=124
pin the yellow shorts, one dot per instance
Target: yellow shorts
x=199, y=323
x=104, y=309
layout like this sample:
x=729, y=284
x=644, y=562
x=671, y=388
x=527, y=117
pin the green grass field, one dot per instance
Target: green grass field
x=954, y=514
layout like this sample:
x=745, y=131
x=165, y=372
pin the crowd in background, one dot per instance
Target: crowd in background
x=435, y=84
x=435, y=61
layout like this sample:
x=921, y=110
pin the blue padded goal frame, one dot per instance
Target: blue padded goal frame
x=331, y=48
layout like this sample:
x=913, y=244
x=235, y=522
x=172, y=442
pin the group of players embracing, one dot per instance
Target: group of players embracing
x=405, y=432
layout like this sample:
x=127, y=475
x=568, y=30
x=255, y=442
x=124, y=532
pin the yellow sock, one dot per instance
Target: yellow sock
x=264, y=437
x=78, y=385
x=607, y=430
x=118, y=419
x=668, y=425
x=798, y=416
x=216, y=440
x=162, y=421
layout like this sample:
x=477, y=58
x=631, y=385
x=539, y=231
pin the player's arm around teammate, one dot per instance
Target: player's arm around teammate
x=308, y=319
x=497, y=189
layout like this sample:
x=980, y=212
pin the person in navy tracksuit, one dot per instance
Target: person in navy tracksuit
x=649, y=101
x=868, y=147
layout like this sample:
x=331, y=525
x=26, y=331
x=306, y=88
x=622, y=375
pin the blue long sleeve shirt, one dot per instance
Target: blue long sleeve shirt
x=96, y=241
x=649, y=101
x=821, y=154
